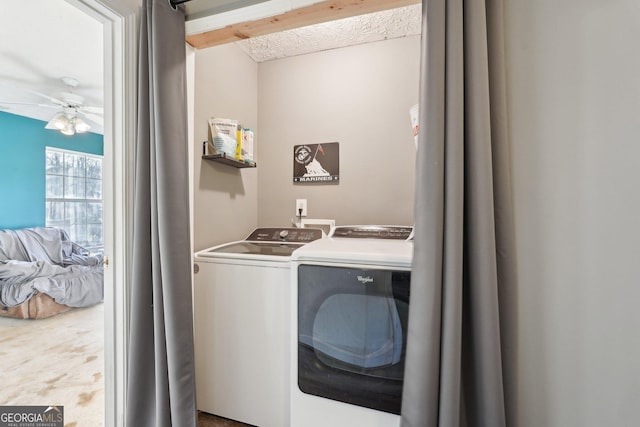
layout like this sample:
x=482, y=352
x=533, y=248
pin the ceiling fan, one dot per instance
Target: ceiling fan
x=72, y=112
x=68, y=120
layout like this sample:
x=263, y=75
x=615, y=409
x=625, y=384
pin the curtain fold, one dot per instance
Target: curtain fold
x=160, y=377
x=461, y=345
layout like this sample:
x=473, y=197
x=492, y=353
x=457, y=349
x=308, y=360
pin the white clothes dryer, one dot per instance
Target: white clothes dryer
x=349, y=316
x=242, y=326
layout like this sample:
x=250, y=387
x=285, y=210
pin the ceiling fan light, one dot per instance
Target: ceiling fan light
x=80, y=125
x=59, y=121
x=68, y=129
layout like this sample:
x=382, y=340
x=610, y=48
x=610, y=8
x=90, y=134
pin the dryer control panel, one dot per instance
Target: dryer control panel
x=297, y=235
x=397, y=232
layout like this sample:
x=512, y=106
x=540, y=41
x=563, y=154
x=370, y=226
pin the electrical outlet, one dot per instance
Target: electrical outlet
x=301, y=204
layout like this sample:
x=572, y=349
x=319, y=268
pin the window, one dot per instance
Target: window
x=74, y=196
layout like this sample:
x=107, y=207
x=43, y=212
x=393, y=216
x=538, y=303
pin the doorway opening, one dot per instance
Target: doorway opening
x=117, y=24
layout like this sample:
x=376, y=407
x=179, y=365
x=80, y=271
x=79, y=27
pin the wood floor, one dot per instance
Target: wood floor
x=208, y=420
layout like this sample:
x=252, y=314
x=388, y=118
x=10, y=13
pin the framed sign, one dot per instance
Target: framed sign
x=313, y=163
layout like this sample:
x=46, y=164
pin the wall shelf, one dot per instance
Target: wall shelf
x=229, y=161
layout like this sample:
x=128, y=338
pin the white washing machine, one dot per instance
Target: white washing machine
x=349, y=315
x=242, y=328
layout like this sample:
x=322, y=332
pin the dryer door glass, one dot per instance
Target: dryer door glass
x=352, y=334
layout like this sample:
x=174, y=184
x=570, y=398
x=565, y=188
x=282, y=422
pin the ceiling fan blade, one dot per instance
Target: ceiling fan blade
x=91, y=110
x=30, y=104
x=94, y=118
x=57, y=101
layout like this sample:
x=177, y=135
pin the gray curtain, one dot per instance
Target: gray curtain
x=461, y=343
x=160, y=383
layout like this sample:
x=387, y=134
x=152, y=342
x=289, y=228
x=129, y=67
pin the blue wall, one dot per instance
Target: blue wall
x=22, y=167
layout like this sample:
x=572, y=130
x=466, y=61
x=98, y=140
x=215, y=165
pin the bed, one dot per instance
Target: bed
x=43, y=273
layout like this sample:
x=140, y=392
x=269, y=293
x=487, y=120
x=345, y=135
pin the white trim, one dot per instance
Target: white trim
x=190, y=74
x=74, y=152
x=120, y=41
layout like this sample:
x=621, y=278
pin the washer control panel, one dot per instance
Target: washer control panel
x=396, y=232
x=299, y=235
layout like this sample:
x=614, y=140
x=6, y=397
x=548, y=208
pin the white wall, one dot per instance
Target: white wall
x=574, y=96
x=359, y=97
x=225, y=198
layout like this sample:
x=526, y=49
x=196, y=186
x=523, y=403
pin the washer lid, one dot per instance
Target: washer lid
x=253, y=248
x=268, y=244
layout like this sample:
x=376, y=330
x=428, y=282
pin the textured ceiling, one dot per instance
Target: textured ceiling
x=393, y=23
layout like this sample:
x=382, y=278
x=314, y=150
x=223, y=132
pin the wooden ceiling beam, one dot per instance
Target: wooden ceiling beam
x=324, y=11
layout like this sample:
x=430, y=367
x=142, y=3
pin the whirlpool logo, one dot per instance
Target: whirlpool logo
x=365, y=279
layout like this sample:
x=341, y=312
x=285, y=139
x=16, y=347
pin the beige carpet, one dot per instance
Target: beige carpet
x=59, y=361
x=56, y=361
